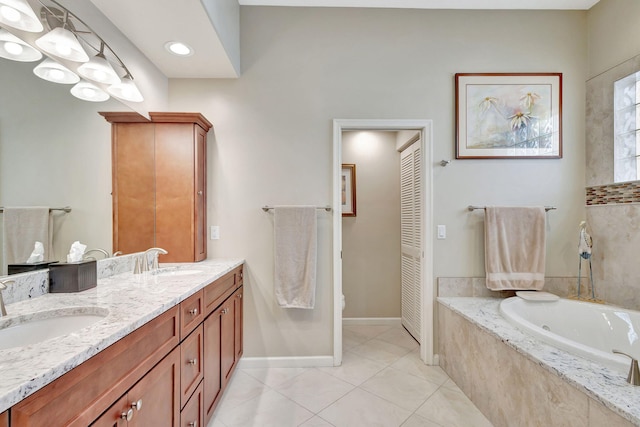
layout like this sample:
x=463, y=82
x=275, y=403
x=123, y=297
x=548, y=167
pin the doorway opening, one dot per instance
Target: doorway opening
x=424, y=226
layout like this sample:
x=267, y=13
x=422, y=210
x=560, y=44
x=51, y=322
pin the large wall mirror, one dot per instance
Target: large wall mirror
x=55, y=150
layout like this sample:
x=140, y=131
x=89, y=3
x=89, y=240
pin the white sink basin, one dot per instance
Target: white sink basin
x=41, y=326
x=176, y=272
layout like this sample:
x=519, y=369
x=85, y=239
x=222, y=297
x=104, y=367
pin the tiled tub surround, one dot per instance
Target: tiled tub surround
x=132, y=301
x=476, y=287
x=515, y=379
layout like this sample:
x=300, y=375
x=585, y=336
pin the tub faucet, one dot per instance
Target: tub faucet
x=634, y=373
x=3, y=286
x=154, y=263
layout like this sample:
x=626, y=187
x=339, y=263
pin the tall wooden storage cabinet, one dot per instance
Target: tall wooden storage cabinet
x=159, y=183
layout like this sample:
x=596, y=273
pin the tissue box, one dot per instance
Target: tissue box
x=73, y=276
x=24, y=268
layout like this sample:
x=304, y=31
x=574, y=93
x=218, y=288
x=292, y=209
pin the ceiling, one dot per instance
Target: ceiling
x=192, y=25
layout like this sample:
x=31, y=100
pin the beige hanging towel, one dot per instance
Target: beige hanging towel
x=514, y=242
x=295, y=256
x=22, y=228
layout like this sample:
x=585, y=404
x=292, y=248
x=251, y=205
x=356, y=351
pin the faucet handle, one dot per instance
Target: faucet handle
x=633, y=377
x=4, y=283
x=137, y=269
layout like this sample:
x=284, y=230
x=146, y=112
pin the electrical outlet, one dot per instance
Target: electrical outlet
x=215, y=232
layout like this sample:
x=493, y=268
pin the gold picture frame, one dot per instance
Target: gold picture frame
x=348, y=190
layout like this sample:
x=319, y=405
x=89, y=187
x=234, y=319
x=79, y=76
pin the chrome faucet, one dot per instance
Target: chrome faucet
x=105, y=253
x=3, y=286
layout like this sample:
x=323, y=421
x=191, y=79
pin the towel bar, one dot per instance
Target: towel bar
x=66, y=209
x=326, y=208
x=472, y=208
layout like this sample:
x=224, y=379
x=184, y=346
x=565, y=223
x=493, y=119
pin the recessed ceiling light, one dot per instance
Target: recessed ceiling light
x=178, y=48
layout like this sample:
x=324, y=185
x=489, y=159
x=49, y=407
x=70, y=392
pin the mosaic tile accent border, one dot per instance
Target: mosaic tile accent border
x=611, y=194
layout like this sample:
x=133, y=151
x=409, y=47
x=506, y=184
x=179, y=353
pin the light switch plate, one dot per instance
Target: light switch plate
x=215, y=232
x=442, y=232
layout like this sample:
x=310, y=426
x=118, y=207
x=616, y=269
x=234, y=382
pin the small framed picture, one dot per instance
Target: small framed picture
x=509, y=116
x=348, y=190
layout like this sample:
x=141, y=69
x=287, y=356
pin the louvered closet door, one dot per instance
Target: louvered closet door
x=411, y=238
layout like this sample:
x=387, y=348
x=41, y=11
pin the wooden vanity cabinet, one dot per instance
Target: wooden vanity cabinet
x=4, y=419
x=159, y=183
x=154, y=376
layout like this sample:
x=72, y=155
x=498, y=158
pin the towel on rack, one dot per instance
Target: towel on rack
x=514, y=247
x=295, y=256
x=22, y=227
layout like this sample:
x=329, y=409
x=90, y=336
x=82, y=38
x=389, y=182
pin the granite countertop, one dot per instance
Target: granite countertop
x=132, y=301
x=598, y=382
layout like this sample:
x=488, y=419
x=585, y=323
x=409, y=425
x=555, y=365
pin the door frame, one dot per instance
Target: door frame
x=425, y=127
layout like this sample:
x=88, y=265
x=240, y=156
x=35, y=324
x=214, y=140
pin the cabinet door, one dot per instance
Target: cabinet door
x=4, y=419
x=227, y=340
x=238, y=324
x=175, y=189
x=133, y=187
x=201, y=194
x=157, y=395
x=212, y=381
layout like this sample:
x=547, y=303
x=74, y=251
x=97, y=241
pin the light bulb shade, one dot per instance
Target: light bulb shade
x=98, y=69
x=55, y=72
x=11, y=47
x=62, y=43
x=126, y=90
x=18, y=14
x=89, y=92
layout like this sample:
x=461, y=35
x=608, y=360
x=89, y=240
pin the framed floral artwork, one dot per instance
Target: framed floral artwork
x=509, y=116
x=348, y=190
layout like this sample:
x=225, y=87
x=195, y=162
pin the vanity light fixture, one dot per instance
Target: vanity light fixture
x=98, y=69
x=89, y=92
x=19, y=15
x=55, y=72
x=126, y=90
x=179, y=48
x=62, y=43
x=65, y=40
x=11, y=47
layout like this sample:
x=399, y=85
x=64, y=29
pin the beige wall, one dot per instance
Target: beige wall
x=614, y=34
x=371, y=240
x=303, y=67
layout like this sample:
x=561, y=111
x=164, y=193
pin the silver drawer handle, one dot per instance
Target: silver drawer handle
x=225, y=310
x=193, y=311
x=193, y=424
x=127, y=415
x=193, y=361
x=137, y=405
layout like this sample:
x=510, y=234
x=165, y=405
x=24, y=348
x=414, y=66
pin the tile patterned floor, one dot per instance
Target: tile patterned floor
x=381, y=382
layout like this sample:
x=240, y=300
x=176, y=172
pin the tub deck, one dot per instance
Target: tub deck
x=597, y=382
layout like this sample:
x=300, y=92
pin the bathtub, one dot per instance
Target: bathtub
x=585, y=329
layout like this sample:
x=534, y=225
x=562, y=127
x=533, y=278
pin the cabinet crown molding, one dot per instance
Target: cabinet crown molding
x=157, y=117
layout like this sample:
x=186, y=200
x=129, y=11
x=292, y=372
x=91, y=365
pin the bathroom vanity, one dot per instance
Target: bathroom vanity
x=162, y=356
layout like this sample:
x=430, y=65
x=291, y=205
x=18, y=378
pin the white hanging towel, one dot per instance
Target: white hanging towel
x=22, y=228
x=514, y=242
x=296, y=238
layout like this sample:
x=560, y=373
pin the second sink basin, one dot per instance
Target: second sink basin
x=41, y=326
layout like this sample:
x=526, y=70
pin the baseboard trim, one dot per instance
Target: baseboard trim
x=390, y=321
x=285, y=362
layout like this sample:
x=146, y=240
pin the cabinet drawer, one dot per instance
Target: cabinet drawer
x=191, y=363
x=192, y=414
x=221, y=289
x=191, y=313
x=81, y=395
